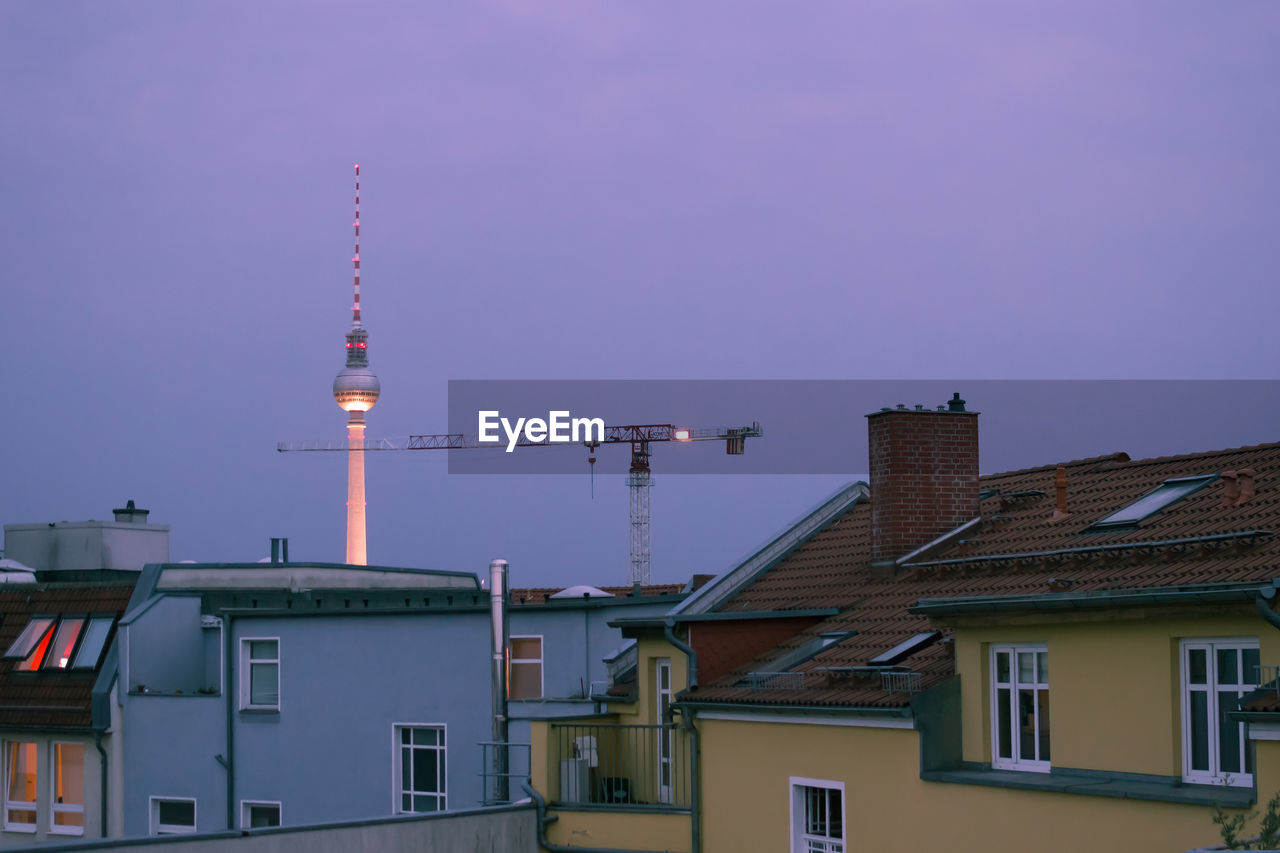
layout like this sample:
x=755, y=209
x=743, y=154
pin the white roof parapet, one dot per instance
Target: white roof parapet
x=296, y=577
x=719, y=590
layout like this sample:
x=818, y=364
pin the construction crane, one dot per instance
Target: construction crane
x=639, y=480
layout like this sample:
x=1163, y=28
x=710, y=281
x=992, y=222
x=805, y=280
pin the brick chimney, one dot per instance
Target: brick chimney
x=924, y=475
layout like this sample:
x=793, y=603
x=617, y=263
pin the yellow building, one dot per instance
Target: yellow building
x=1055, y=659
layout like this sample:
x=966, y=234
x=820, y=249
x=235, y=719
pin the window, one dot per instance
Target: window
x=1215, y=674
x=817, y=816
x=666, y=736
x=21, y=780
x=526, y=668
x=1166, y=494
x=64, y=642
x=1020, y=707
x=68, y=789
x=257, y=814
x=32, y=643
x=172, y=816
x=94, y=642
x=420, y=774
x=260, y=674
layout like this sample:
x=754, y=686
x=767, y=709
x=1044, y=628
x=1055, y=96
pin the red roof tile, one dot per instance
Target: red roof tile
x=832, y=568
x=50, y=699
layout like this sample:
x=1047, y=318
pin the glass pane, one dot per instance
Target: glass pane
x=406, y=767
x=816, y=812
x=406, y=803
x=424, y=771
x=34, y=659
x=63, y=642
x=526, y=681
x=21, y=816
x=1026, y=667
x=264, y=816
x=664, y=677
x=68, y=818
x=95, y=639
x=406, y=736
x=837, y=821
x=263, y=649
x=426, y=804
x=1002, y=667
x=177, y=813
x=1227, y=673
x=426, y=736
x=1004, y=715
x=1026, y=725
x=1042, y=665
x=526, y=648
x=1199, y=730
x=22, y=772
x=1197, y=672
x=1228, y=734
x=30, y=635
x=1043, y=724
x=1250, y=662
x=263, y=686
x=68, y=773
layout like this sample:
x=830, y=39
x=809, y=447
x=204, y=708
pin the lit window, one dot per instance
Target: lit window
x=421, y=775
x=172, y=816
x=21, y=780
x=1215, y=674
x=817, y=816
x=260, y=674
x=94, y=642
x=68, y=789
x=31, y=638
x=256, y=815
x=64, y=642
x=526, y=668
x=1167, y=493
x=1020, y=707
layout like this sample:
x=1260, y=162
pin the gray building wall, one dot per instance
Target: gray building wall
x=328, y=754
x=87, y=545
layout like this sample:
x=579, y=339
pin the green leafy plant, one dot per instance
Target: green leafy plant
x=1269, y=826
x=1230, y=826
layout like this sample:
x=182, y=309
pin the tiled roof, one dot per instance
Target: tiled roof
x=540, y=595
x=832, y=568
x=50, y=699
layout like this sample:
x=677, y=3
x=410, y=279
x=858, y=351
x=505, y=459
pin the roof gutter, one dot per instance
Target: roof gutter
x=816, y=710
x=1092, y=600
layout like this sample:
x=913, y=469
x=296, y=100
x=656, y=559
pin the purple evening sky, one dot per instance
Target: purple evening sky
x=596, y=190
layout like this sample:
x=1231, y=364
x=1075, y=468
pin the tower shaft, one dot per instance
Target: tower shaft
x=355, y=490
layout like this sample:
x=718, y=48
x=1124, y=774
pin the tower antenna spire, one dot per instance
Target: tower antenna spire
x=355, y=307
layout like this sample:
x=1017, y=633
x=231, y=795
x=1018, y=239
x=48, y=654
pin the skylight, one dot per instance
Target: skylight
x=95, y=640
x=905, y=649
x=63, y=642
x=30, y=637
x=1164, y=495
x=797, y=656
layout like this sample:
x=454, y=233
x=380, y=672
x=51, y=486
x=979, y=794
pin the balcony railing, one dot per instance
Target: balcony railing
x=1269, y=676
x=503, y=767
x=620, y=767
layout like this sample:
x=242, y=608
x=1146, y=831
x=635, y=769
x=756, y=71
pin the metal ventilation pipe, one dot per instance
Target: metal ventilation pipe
x=499, y=640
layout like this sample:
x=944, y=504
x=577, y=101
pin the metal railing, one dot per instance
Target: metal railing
x=503, y=787
x=619, y=767
x=1269, y=676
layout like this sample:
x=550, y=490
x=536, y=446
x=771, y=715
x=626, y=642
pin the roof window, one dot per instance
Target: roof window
x=95, y=640
x=799, y=655
x=30, y=637
x=1164, y=495
x=66, y=642
x=905, y=649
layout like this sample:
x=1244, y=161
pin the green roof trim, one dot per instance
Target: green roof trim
x=1096, y=599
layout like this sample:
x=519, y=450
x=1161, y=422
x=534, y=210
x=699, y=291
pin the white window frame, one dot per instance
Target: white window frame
x=56, y=807
x=1017, y=761
x=663, y=698
x=158, y=828
x=397, y=792
x=18, y=805
x=245, y=805
x=801, y=840
x=247, y=662
x=1214, y=774
x=540, y=661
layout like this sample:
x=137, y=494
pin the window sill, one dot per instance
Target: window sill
x=261, y=712
x=22, y=829
x=1098, y=783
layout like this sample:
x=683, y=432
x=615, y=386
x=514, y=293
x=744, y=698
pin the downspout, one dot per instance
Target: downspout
x=102, y=785
x=499, y=641
x=229, y=698
x=695, y=760
x=1264, y=609
x=540, y=807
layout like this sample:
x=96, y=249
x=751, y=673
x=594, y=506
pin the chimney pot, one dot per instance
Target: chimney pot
x=1247, y=485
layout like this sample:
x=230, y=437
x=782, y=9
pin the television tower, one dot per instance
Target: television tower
x=356, y=389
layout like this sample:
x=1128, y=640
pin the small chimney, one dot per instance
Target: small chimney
x=924, y=476
x=1247, y=486
x=1230, y=488
x=130, y=514
x=279, y=550
x=1060, y=487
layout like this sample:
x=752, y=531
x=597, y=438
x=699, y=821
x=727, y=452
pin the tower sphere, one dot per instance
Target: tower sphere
x=356, y=389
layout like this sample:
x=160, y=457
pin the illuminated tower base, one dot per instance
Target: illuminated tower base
x=355, y=490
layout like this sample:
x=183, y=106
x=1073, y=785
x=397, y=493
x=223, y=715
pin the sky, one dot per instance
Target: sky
x=616, y=191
